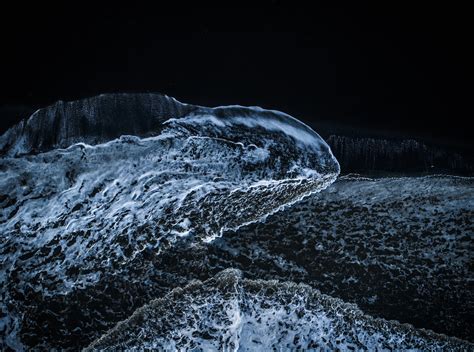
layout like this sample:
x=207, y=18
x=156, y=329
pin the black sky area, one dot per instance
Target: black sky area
x=394, y=67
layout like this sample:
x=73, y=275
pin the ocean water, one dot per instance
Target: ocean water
x=104, y=226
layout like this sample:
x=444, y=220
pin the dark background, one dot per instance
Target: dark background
x=392, y=67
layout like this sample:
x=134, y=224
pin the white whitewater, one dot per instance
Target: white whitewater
x=230, y=313
x=73, y=212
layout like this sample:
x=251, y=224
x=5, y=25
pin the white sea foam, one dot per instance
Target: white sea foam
x=229, y=313
x=69, y=215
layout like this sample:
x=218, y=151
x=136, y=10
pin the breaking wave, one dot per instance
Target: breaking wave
x=230, y=313
x=123, y=201
x=72, y=215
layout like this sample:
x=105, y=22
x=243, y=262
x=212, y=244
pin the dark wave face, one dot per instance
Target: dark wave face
x=75, y=214
x=402, y=156
x=93, y=120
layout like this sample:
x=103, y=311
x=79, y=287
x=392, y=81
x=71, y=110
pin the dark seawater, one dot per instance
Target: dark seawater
x=223, y=229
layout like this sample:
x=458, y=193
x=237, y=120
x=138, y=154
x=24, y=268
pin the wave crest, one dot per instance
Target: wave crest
x=71, y=216
x=231, y=313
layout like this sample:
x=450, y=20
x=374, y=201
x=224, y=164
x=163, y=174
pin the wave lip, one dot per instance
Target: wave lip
x=73, y=213
x=231, y=313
